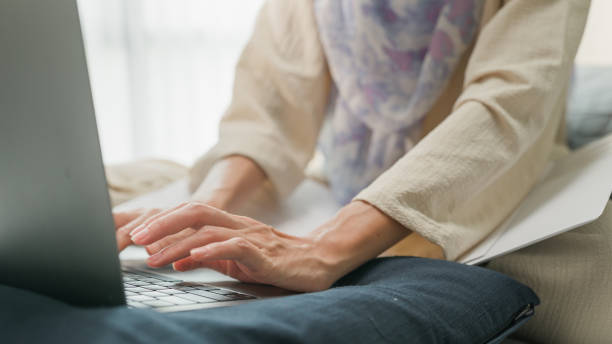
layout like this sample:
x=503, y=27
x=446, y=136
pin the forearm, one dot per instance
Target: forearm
x=279, y=100
x=230, y=183
x=358, y=233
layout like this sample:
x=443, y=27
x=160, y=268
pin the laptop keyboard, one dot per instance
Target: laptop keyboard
x=145, y=290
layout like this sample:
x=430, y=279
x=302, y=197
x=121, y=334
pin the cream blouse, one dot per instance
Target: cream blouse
x=486, y=140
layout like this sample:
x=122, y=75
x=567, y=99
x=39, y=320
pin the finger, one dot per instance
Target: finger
x=226, y=267
x=160, y=214
x=123, y=241
x=123, y=238
x=188, y=263
x=182, y=248
x=122, y=219
x=169, y=240
x=238, y=249
x=194, y=215
x=137, y=221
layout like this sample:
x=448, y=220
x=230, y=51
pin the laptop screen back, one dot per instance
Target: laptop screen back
x=56, y=229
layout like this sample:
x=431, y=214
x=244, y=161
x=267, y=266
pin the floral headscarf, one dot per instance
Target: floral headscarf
x=390, y=60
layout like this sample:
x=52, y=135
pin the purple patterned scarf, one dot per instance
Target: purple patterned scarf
x=390, y=60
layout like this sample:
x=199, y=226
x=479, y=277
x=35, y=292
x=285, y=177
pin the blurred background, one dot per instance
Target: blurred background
x=162, y=70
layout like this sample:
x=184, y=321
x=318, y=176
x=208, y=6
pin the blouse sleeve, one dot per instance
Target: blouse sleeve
x=467, y=175
x=281, y=90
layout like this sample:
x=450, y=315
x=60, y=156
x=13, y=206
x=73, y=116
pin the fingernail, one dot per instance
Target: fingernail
x=181, y=266
x=200, y=251
x=154, y=259
x=136, y=230
x=140, y=236
x=151, y=249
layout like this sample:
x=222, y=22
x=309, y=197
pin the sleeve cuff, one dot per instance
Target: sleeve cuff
x=413, y=220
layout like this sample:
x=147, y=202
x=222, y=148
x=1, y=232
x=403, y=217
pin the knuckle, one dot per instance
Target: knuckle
x=155, y=225
x=242, y=242
x=152, y=249
x=195, y=207
x=190, y=206
x=265, y=229
x=277, y=246
x=124, y=230
x=187, y=232
x=206, y=231
x=246, y=220
x=166, y=241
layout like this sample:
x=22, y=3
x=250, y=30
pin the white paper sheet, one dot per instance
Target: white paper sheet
x=575, y=192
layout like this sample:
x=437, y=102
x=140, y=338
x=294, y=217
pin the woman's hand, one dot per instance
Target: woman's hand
x=229, y=184
x=250, y=251
x=237, y=246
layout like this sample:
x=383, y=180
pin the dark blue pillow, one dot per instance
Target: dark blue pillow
x=397, y=300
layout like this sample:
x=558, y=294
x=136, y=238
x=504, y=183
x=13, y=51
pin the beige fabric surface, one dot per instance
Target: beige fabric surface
x=572, y=275
x=493, y=128
x=130, y=180
x=280, y=94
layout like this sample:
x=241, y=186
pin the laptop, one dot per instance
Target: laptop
x=57, y=235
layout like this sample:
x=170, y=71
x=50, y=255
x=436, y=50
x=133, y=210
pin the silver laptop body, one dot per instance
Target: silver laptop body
x=56, y=228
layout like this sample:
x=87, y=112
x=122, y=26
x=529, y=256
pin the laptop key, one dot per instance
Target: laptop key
x=171, y=291
x=239, y=296
x=148, y=280
x=185, y=289
x=157, y=303
x=196, y=298
x=153, y=294
x=153, y=287
x=140, y=298
x=176, y=300
x=165, y=284
x=137, y=283
x=222, y=291
x=210, y=295
x=137, y=304
x=163, y=278
x=136, y=289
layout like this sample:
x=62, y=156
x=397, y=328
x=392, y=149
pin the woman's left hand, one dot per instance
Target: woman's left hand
x=237, y=246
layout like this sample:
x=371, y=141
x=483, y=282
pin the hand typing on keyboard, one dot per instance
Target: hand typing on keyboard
x=238, y=246
x=200, y=234
x=251, y=251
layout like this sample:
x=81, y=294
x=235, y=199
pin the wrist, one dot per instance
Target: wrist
x=219, y=198
x=230, y=182
x=358, y=233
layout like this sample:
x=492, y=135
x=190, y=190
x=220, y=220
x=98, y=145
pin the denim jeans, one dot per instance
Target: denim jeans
x=396, y=300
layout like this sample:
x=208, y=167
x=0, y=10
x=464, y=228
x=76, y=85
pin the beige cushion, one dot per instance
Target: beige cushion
x=572, y=275
x=130, y=180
